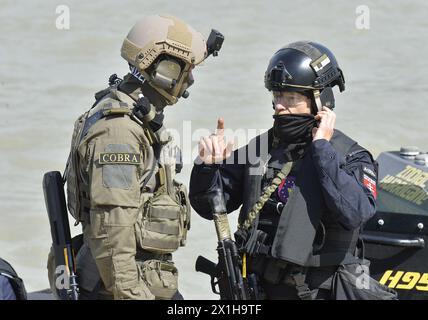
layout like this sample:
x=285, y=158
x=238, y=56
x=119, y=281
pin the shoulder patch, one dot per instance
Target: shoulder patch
x=370, y=184
x=119, y=158
x=369, y=171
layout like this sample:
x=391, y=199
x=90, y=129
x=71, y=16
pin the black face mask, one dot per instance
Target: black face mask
x=294, y=128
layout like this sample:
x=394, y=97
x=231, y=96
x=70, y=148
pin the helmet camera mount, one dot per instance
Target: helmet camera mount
x=214, y=42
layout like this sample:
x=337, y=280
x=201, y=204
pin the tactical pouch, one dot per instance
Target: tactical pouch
x=71, y=174
x=183, y=199
x=353, y=282
x=164, y=219
x=161, y=278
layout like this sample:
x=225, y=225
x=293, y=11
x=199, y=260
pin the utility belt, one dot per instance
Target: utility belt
x=343, y=282
x=302, y=279
x=339, y=251
x=278, y=271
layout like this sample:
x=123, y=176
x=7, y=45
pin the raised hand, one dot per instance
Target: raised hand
x=213, y=149
x=325, y=129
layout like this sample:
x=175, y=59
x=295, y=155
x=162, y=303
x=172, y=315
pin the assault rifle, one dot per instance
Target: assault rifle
x=227, y=279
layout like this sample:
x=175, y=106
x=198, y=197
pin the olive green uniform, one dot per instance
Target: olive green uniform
x=120, y=174
x=110, y=163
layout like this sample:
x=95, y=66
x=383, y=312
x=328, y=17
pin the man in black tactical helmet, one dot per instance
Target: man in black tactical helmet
x=305, y=199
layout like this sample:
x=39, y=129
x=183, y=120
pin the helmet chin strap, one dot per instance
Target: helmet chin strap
x=170, y=98
x=317, y=99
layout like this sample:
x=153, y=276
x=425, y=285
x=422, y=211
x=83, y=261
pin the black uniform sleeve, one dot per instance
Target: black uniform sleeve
x=349, y=185
x=205, y=178
x=6, y=289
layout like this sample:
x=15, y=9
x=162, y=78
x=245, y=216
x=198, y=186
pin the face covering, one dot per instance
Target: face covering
x=294, y=128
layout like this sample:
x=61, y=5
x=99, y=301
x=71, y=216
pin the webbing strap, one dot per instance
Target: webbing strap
x=266, y=195
x=303, y=291
x=164, y=214
x=161, y=244
x=162, y=228
x=331, y=259
x=90, y=121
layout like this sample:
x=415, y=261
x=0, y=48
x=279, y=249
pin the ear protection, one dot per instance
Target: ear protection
x=166, y=73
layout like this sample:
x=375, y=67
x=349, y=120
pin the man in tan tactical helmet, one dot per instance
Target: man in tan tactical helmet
x=121, y=169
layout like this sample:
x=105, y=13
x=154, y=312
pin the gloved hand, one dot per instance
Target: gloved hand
x=144, y=111
x=142, y=107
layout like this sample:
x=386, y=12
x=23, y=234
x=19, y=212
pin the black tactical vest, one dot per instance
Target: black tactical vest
x=15, y=281
x=304, y=235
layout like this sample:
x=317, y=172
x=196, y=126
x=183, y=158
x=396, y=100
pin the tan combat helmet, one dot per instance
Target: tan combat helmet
x=164, y=49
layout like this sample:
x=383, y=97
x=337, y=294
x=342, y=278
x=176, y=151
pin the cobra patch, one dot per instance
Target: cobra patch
x=119, y=158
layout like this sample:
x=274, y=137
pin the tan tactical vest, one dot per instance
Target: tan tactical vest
x=164, y=209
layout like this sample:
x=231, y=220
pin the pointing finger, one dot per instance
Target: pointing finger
x=220, y=126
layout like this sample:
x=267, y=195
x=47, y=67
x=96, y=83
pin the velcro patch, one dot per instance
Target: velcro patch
x=369, y=172
x=119, y=158
x=370, y=184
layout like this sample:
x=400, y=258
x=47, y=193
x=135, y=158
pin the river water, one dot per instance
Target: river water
x=48, y=77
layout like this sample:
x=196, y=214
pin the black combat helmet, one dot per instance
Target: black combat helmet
x=304, y=67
